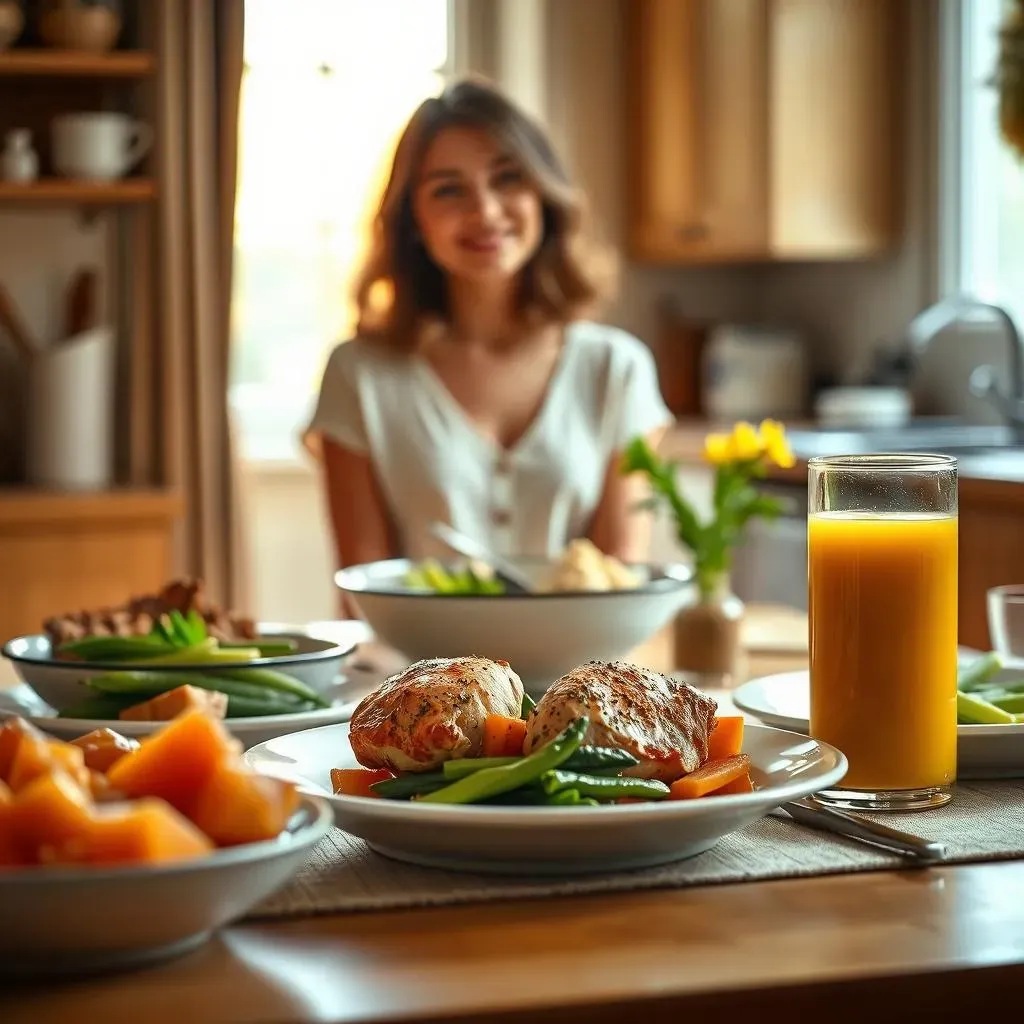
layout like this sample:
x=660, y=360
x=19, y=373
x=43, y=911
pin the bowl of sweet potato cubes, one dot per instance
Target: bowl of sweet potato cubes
x=115, y=852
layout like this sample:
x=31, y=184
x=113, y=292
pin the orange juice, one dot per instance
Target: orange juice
x=882, y=597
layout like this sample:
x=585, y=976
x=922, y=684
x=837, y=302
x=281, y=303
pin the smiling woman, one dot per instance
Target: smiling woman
x=475, y=393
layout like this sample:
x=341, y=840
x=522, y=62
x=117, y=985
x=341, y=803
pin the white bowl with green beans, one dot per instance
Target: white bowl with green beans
x=543, y=634
x=509, y=818
x=96, y=677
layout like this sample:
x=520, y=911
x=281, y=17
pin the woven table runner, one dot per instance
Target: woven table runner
x=984, y=821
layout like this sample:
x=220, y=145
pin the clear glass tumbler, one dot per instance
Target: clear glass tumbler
x=882, y=600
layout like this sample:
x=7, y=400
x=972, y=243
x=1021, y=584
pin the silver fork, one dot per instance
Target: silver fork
x=827, y=819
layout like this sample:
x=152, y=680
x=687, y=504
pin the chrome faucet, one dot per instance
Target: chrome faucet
x=984, y=380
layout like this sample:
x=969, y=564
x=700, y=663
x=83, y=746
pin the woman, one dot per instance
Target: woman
x=474, y=394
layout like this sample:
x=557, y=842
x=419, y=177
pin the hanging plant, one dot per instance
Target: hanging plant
x=1009, y=78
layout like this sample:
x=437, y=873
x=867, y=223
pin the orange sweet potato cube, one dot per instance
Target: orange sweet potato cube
x=11, y=734
x=38, y=755
x=47, y=813
x=166, y=706
x=236, y=805
x=103, y=747
x=147, y=831
x=175, y=762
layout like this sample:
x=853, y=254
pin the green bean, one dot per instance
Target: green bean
x=600, y=760
x=595, y=760
x=463, y=766
x=266, y=648
x=570, y=798
x=245, y=700
x=102, y=708
x=247, y=707
x=976, y=674
x=114, y=648
x=205, y=653
x=1012, y=702
x=972, y=710
x=525, y=796
x=493, y=781
x=410, y=784
x=271, y=679
x=527, y=706
x=601, y=787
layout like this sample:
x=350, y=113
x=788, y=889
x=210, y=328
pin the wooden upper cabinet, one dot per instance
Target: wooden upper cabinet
x=762, y=129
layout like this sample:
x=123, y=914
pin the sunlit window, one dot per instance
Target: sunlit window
x=990, y=230
x=328, y=85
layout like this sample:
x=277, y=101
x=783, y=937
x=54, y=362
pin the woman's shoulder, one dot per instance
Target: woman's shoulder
x=352, y=355
x=612, y=348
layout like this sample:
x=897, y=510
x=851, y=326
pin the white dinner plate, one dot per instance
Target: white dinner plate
x=85, y=920
x=983, y=751
x=552, y=840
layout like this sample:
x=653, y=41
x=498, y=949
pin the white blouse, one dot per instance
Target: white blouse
x=434, y=464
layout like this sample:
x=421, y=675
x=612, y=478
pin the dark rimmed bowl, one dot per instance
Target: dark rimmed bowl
x=316, y=663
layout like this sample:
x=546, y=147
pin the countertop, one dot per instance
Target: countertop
x=994, y=478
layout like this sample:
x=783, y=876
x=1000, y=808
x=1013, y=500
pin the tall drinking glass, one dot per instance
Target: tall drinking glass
x=882, y=599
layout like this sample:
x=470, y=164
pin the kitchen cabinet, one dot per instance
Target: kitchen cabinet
x=762, y=130
x=65, y=552
x=991, y=550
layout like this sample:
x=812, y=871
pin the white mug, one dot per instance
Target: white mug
x=98, y=146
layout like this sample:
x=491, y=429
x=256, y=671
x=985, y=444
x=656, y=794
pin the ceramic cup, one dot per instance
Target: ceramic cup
x=98, y=146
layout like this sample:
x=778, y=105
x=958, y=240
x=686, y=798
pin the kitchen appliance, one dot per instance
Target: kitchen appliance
x=770, y=565
x=864, y=407
x=752, y=372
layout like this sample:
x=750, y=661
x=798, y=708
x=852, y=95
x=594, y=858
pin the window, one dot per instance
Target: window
x=328, y=84
x=986, y=241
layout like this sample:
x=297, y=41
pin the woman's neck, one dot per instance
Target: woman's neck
x=483, y=316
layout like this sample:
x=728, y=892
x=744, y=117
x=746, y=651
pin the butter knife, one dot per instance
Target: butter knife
x=827, y=819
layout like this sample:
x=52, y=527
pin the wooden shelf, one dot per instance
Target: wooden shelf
x=68, y=192
x=34, y=507
x=72, y=64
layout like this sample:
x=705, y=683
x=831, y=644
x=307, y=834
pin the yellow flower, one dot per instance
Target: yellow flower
x=746, y=443
x=742, y=445
x=776, y=447
x=718, y=448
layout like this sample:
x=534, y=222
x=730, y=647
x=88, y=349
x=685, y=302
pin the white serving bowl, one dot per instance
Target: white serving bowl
x=316, y=662
x=84, y=920
x=542, y=636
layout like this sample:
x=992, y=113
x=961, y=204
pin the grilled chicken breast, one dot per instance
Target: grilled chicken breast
x=663, y=723
x=431, y=712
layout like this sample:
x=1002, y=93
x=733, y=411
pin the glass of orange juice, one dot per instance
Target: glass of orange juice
x=882, y=601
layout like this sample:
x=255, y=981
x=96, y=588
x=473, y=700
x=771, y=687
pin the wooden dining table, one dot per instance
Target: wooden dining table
x=924, y=944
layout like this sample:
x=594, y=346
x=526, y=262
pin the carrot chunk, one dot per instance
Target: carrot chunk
x=741, y=785
x=503, y=737
x=357, y=781
x=726, y=738
x=710, y=777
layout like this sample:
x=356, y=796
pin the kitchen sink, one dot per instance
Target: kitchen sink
x=943, y=438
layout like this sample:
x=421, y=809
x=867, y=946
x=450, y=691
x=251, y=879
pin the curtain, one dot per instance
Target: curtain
x=200, y=55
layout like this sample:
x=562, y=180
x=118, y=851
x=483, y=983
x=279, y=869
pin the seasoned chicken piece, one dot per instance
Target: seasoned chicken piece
x=662, y=722
x=431, y=712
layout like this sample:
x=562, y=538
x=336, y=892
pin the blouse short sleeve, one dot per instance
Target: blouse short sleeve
x=338, y=415
x=641, y=407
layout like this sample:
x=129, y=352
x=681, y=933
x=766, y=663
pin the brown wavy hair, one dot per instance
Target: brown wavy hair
x=399, y=289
